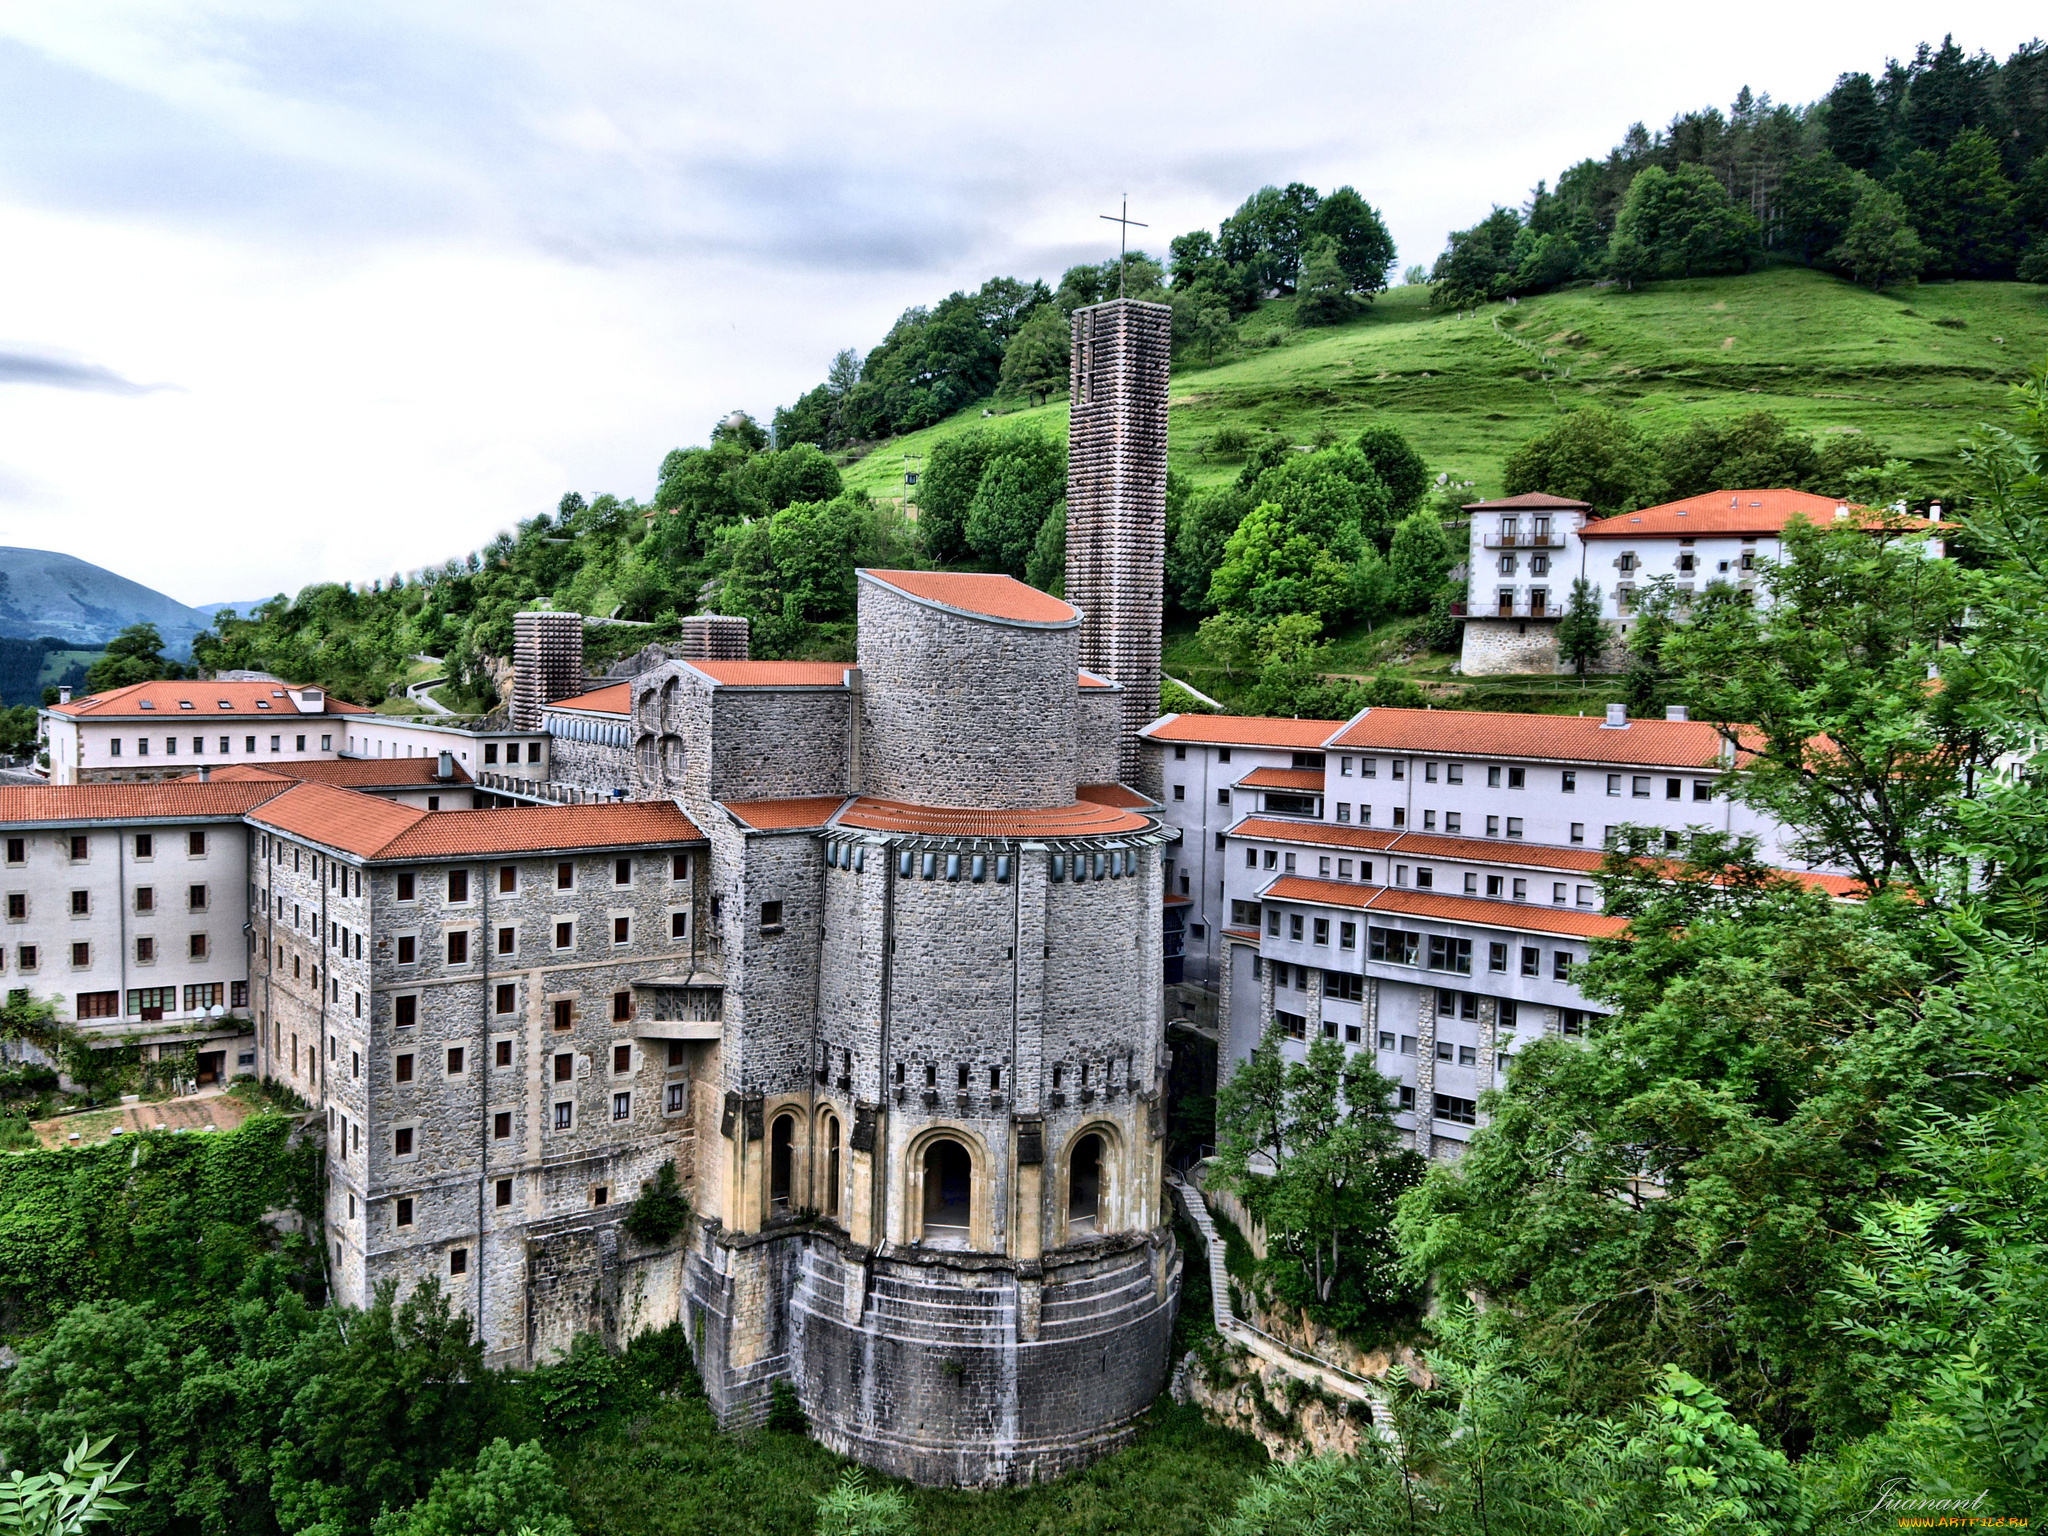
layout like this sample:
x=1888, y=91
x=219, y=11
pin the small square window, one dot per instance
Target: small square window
x=622, y=1106
x=677, y=1098
x=622, y=1006
x=622, y=930
x=458, y=1261
x=679, y=925
x=508, y=941
x=404, y=1215
x=503, y=1196
x=565, y=1013
x=501, y=1125
x=458, y=885
x=565, y=1116
x=679, y=866
x=401, y=1067
x=405, y=886
x=405, y=1011
x=401, y=1141
x=1180, y=791
x=622, y=1058
x=508, y=879
x=771, y=916
x=565, y=875
x=565, y=1067
x=1578, y=832
x=503, y=1053
x=622, y=871
x=455, y=1060
x=565, y=935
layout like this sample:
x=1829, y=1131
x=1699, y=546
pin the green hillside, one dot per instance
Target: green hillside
x=1912, y=370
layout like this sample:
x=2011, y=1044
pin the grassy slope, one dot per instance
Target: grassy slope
x=1466, y=388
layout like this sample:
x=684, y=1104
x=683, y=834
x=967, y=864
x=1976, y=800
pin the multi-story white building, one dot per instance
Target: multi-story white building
x=1421, y=884
x=126, y=903
x=152, y=731
x=1527, y=551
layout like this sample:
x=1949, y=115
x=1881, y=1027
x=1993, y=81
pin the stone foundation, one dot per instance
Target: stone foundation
x=1503, y=647
x=944, y=1368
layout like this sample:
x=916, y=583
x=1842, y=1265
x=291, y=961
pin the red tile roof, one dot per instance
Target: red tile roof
x=178, y=799
x=1082, y=819
x=1243, y=731
x=1122, y=796
x=340, y=818
x=347, y=773
x=612, y=699
x=984, y=596
x=1471, y=733
x=538, y=828
x=165, y=700
x=1530, y=501
x=376, y=829
x=1179, y=901
x=784, y=815
x=1422, y=845
x=774, y=674
x=1524, y=916
x=1095, y=680
x=1300, y=779
x=1738, y=513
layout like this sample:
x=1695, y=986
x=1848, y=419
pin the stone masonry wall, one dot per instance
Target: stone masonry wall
x=1098, y=736
x=964, y=711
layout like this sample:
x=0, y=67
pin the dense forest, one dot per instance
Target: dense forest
x=1936, y=168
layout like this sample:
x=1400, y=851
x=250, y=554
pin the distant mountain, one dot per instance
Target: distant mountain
x=45, y=593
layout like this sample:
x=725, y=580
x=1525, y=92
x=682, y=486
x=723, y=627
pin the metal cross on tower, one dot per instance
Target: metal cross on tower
x=1122, y=236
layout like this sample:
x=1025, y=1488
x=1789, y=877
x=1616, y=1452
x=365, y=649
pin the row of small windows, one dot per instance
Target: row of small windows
x=225, y=748
x=457, y=941
x=81, y=902
x=28, y=957
x=77, y=846
x=153, y=1002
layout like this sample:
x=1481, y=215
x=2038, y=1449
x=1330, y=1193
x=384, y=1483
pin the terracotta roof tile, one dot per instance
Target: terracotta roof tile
x=1523, y=916
x=166, y=700
x=1082, y=819
x=774, y=674
x=348, y=773
x=1179, y=901
x=339, y=818
x=1121, y=796
x=1243, y=731
x=1471, y=733
x=1306, y=780
x=1095, y=680
x=784, y=815
x=984, y=596
x=1425, y=845
x=178, y=799
x=537, y=828
x=1724, y=514
x=612, y=699
x=376, y=829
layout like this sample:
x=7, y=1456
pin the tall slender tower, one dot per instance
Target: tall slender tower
x=1116, y=499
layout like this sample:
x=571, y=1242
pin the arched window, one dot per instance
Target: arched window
x=948, y=1194
x=781, y=1161
x=831, y=1165
x=1084, y=1187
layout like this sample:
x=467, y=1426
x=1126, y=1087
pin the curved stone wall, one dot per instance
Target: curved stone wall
x=936, y=728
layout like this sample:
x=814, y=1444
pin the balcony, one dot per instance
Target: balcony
x=1523, y=541
x=1543, y=612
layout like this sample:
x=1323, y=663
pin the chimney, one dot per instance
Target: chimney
x=205, y=773
x=444, y=767
x=63, y=693
x=1676, y=712
x=1934, y=511
x=1617, y=718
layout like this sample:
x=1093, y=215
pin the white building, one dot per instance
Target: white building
x=1526, y=552
x=1420, y=884
x=128, y=904
x=164, y=730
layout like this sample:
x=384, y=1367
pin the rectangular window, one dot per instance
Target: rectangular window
x=1347, y=935
x=679, y=866
x=622, y=1008
x=458, y=885
x=405, y=885
x=1514, y=826
x=564, y=1013
x=1497, y=957
x=1568, y=781
x=1561, y=965
x=1322, y=930
x=1425, y=877
x=198, y=949
x=404, y=1215
x=1454, y=822
x=1614, y=784
x=1456, y=1110
x=1272, y=923
x=99, y=1005
x=679, y=925
x=80, y=847
x=501, y=1125
x=622, y=1058
x=1294, y=926
x=565, y=1116
x=1344, y=986
x=81, y=903
x=502, y=1053
x=677, y=1098
x=1397, y=946
x=401, y=1067
x=1639, y=787
x=565, y=1067
x=1448, y=954
x=622, y=1106
x=771, y=917
x=25, y=958
x=565, y=875
x=1520, y=889
x=81, y=956
x=458, y=947
x=458, y=1261
x=405, y=1011
x=145, y=951
x=622, y=930
x=508, y=940
x=1493, y=826
x=1223, y=797
x=1702, y=789
x=401, y=1141
x=1293, y=1025
x=1400, y=816
x=1532, y=961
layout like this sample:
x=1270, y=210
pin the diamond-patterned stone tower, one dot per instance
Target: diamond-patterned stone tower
x=1116, y=499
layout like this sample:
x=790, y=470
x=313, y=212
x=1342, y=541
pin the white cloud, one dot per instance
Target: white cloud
x=415, y=270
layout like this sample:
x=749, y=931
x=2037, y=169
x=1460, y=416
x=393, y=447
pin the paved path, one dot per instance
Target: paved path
x=1333, y=1379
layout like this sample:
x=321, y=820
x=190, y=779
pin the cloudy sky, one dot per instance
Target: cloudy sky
x=299, y=292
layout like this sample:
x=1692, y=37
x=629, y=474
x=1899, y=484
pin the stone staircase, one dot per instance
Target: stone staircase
x=1331, y=1378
